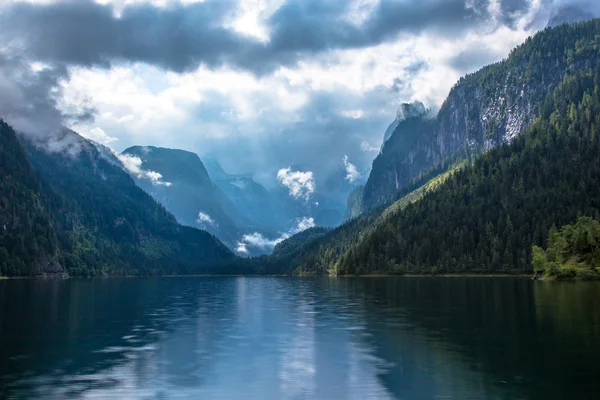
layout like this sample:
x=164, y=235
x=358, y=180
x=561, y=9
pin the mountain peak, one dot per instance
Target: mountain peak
x=410, y=110
x=405, y=111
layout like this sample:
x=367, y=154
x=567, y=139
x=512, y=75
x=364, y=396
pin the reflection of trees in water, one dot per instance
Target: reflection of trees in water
x=488, y=327
x=285, y=337
x=90, y=334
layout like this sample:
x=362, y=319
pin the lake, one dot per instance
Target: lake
x=299, y=338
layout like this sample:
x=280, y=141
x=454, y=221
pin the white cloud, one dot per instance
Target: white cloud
x=98, y=135
x=300, y=184
x=241, y=248
x=204, y=219
x=133, y=165
x=207, y=108
x=366, y=146
x=303, y=224
x=352, y=173
x=257, y=240
x=352, y=114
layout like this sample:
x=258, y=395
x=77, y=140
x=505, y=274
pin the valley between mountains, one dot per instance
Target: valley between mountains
x=503, y=178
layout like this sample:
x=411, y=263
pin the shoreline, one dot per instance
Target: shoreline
x=412, y=276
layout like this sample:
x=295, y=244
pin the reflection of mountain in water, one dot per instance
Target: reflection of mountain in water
x=228, y=338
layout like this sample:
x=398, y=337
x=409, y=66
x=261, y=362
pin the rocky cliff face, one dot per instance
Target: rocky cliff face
x=405, y=111
x=482, y=111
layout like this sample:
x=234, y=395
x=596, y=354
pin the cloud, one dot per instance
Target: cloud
x=204, y=219
x=260, y=84
x=182, y=36
x=242, y=248
x=259, y=241
x=303, y=224
x=352, y=173
x=366, y=146
x=133, y=165
x=98, y=135
x=300, y=184
x=27, y=98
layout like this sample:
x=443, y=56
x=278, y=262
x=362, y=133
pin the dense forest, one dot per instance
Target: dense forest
x=486, y=215
x=28, y=243
x=572, y=253
x=80, y=215
x=484, y=109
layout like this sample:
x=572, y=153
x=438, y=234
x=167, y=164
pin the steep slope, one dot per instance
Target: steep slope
x=488, y=216
x=483, y=110
x=185, y=189
x=319, y=254
x=534, y=185
x=405, y=111
x=28, y=243
x=106, y=224
x=354, y=206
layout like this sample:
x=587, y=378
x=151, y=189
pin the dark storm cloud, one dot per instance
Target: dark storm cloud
x=28, y=99
x=179, y=37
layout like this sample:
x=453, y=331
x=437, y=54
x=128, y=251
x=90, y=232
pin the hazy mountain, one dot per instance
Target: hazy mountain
x=185, y=189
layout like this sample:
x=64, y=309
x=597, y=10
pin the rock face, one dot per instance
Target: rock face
x=354, y=206
x=482, y=111
x=405, y=111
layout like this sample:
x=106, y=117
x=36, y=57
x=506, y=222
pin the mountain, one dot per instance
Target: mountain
x=254, y=203
x=73, y=211
x=484, y=214
x=185, y=189
x=568, y=15
x=354, y=204
x=405, y=111
x=488, y=216
x=482, y=111
x=28, y=241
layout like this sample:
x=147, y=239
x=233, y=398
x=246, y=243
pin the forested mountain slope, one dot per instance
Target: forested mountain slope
x=28, y=243
x=488, y=215
x=187, y=191
x=483, y=110
x=71, y=210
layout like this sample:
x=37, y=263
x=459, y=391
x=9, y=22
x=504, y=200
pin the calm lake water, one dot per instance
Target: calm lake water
x=288, y=338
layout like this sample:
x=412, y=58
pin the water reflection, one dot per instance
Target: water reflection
x=284, y=338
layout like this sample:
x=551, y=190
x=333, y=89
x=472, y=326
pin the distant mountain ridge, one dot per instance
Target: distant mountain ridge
x=193, y=198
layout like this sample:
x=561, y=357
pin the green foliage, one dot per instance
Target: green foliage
x=28, y=244
x=573, y=252
x=485, y=217
x=80, y=214
x=484, y=109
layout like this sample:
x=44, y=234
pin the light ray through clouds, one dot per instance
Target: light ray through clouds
x=250, y=81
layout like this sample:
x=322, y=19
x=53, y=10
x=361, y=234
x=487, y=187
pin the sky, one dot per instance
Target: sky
x=303, y=86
